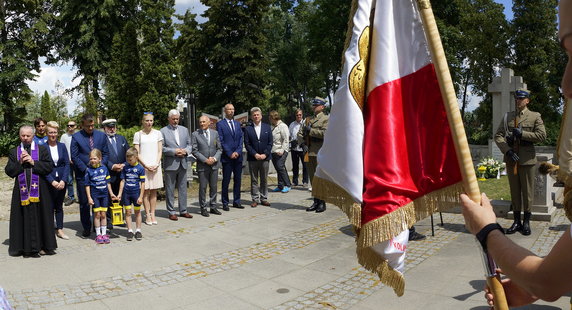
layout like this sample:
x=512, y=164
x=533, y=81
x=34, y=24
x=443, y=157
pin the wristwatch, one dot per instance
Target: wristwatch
x=482, y=235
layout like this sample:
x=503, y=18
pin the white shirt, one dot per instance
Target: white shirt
x=176, y=133
x=294, y=128
x=55, y=155
x=257, y=129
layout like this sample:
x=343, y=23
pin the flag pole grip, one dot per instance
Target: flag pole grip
x=495, y=287
x=464, y=157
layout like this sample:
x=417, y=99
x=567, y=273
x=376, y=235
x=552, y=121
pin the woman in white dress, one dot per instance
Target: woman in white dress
x=149, y=144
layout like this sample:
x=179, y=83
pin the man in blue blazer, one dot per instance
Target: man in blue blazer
x=82, y=143
x=230, y=135
x=117, y=146
x=258, y=143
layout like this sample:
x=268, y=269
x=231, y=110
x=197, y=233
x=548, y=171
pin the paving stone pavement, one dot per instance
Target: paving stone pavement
x=277, y=257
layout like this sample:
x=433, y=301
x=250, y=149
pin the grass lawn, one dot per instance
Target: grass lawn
x=496, y=188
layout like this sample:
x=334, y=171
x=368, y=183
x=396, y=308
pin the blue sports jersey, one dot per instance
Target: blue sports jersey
x=132, y=177
x=97, y=179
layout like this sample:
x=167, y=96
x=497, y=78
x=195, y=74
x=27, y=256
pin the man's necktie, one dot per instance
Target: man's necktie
x=231, y=124
x=114, y=144
x=207, y=136
x=91, y=143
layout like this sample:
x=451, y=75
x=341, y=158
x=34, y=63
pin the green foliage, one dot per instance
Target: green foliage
x=8, y=141
x=128, y=132
x=123, y=89
x=23, y=31
x=83, y=33
x=327, y=26
x=538, y=57
x=234, y=48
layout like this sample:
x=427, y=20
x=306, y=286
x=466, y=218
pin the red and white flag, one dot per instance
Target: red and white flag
x=388, y=157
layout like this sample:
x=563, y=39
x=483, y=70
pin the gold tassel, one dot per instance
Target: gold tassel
x=390, y=225
x=334, y=194
x=371, y=261
x=34, y=199
x=25, y=202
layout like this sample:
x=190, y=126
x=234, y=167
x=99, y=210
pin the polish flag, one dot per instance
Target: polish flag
x=388, y=157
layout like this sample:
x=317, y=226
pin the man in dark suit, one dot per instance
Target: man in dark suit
x=231, y=140
x=117, y=145
x=207, y=151
x=82, y=143
x=176, y=148
x=258, y=143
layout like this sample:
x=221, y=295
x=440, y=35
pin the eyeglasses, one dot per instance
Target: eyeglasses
x=72, y=125
x=148, y=113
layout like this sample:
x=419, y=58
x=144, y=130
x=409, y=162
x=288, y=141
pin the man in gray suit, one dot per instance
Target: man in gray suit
x=207, y=151
x=176, y=148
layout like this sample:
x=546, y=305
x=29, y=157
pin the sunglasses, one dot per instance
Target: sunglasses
x=148, y=113
x=73, y=125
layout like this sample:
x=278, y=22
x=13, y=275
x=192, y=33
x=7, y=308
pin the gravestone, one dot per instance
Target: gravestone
x=502, y=89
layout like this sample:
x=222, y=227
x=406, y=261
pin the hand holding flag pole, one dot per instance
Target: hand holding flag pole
x=459, y=137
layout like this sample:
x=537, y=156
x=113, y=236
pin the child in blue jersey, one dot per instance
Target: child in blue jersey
x=131, y=190
x=97, y=188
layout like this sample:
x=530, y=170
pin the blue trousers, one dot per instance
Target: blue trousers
x=84, y=209
x=231, y=168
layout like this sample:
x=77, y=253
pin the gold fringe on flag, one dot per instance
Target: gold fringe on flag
x=390, y=225
x=336, y=195
x=371, y=261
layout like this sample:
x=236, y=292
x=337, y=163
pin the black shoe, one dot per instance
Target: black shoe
x=313, y=206
x=138, y=235
x=321, y=207
x=516, y=225
x=32, y=255
x=237, y=205
x=204, y=212
x=526, y=224
x=415, y=236
x=86, y=233
x=215, y=211
x=68, y=201
x=225, y=208
x=129, y=236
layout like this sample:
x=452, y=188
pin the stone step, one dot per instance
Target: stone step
x=537, y=216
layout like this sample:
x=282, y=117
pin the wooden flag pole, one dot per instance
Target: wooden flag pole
x=458, y=131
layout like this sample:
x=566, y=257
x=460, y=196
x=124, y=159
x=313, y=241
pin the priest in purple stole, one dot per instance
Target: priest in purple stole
x=31, y=215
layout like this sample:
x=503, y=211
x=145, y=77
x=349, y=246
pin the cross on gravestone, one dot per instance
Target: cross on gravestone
x=502, y=89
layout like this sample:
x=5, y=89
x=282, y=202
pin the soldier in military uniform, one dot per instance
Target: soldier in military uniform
x=311, y=138
x=516, y=142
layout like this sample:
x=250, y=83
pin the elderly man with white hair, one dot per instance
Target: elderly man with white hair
x=176, y=148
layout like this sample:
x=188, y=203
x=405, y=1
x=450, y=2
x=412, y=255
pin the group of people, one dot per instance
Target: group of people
x=108, y=171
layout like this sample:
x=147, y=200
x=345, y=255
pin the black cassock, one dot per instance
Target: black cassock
x=31, y=226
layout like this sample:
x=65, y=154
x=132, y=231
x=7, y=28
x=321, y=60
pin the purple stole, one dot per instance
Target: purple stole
x=32, y=194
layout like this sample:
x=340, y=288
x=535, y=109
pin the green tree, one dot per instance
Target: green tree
x=83, y=34
x=327, y=27
x=46, y=107
x=538, y=57
x=235, y=48
x=159, y=70
x=293, y=76
x=23, y=31
x=122, y=86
